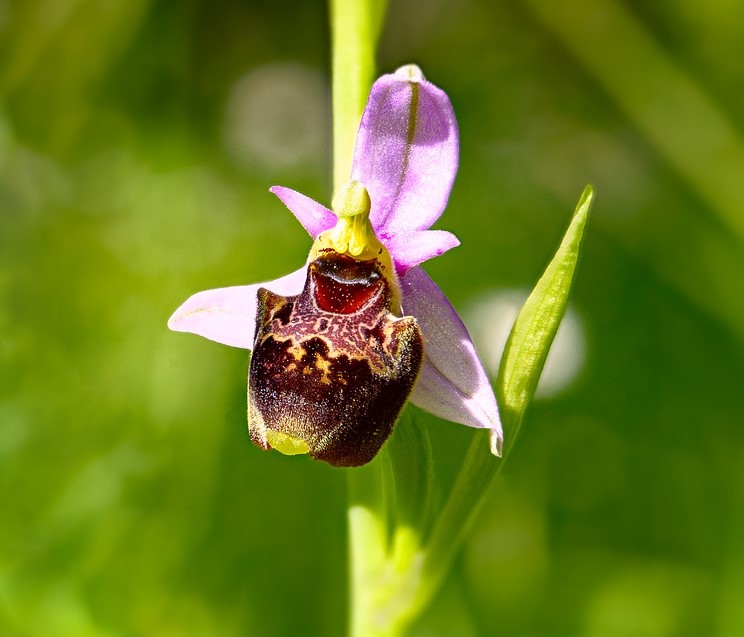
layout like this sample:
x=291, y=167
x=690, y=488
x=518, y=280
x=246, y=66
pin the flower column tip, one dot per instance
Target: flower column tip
x=351, y=200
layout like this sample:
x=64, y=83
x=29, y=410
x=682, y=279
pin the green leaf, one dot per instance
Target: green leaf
x=521, y=364
x=533, y=331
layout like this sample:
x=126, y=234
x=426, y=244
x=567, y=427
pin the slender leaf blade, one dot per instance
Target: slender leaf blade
x=535, y=328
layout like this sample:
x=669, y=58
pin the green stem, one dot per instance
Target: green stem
x=370, y=504
x=389, y=506
x=355, y=27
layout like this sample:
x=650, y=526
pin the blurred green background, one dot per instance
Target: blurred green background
x=138, y=139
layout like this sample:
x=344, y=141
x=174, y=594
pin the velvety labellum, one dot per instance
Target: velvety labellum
x=332, y=367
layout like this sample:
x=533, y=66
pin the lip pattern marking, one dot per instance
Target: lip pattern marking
x=332, y=366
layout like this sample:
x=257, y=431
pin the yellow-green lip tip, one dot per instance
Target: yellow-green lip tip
x=286, y=444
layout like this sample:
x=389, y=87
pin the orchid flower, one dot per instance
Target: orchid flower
x=341, y=343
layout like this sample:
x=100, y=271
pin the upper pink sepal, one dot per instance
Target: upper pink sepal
x=406, y=151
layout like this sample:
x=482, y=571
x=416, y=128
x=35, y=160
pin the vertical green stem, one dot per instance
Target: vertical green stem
x=368, y=519
x=355, y=27
x=389, y=511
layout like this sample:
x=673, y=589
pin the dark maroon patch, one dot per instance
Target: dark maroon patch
x=333, y=366
x=344, y=285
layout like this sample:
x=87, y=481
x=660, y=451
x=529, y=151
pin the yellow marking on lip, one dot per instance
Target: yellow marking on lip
x=286, y=444
x=325, y=368
x=297, y=350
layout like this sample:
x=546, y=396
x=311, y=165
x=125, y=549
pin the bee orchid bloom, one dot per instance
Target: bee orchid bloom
x=340, y=344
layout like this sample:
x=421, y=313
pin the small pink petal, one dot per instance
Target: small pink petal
x=453, y=384
x=406, y=151
x=228, y=315
x=412, y=248
x=314, y=217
